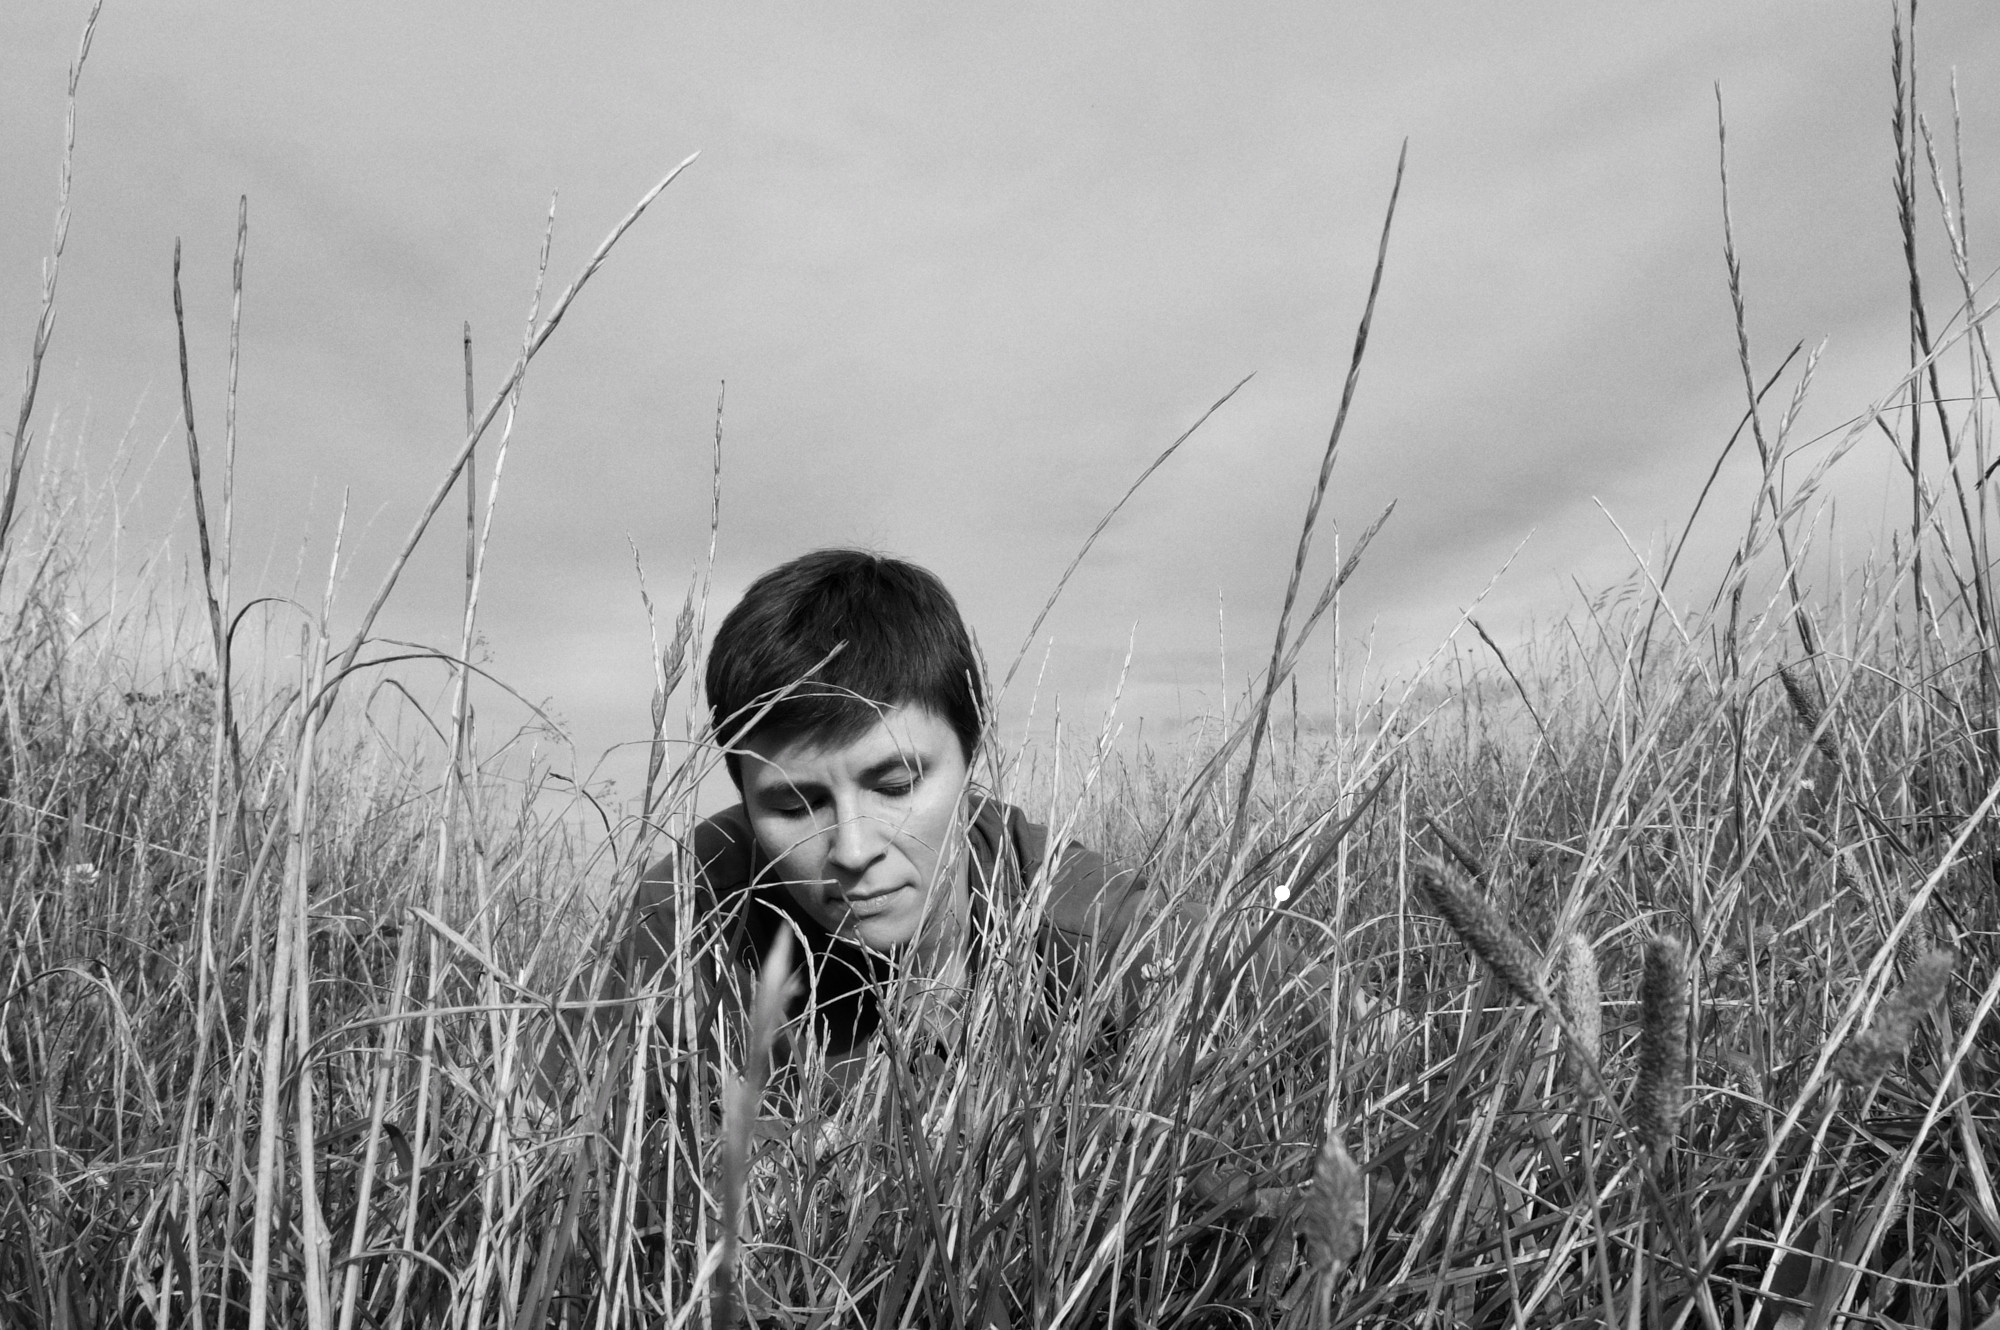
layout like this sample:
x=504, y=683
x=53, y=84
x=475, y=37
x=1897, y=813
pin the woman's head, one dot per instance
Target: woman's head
x=845, y=691
x=820, y=647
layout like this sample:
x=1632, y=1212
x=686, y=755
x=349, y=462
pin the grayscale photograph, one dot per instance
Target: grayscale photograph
x=998, y=667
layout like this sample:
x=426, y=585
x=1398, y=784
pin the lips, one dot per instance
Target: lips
x=870, y=904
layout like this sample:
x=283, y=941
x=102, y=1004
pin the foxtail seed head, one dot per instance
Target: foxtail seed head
x=1663, y=1034
x=1582, y=1004
x=1803, y=692
x=1481, y=928
x=1457, y=849
x=1886, y=1041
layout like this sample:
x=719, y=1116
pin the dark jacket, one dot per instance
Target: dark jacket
x=1089, y=907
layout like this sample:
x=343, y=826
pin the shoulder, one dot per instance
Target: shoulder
x=720, y=857
x=725, y=851
x=721, y=852
x=1087, y=896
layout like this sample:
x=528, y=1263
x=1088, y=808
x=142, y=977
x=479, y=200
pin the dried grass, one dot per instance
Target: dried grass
x=269, y=1018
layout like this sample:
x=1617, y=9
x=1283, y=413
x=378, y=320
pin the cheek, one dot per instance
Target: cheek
x=926, y=836
x=796, y=854
x=804, y=880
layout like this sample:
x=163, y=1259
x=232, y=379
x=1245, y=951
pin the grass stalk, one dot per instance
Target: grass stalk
x=45, y=319
x=1273, y=676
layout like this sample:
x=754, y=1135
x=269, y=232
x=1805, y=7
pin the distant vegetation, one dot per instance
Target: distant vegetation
x=1668, y=956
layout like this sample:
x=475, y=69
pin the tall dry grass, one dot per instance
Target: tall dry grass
x=1691, y=1024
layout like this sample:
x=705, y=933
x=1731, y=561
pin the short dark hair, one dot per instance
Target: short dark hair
x=902, y=643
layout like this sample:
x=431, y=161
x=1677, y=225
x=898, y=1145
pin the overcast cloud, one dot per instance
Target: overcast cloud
x=966, y=269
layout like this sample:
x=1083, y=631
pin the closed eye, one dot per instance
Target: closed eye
x=791, y=807
x=895, y=778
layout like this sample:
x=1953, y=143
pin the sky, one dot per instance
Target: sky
x=965, y=270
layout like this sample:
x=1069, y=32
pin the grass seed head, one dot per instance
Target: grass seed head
x=1663, y=1035
x=1457, y=849
x=1919, y=940
x=1336, y=1210
x=1582, y=1003
x=1876, y=1050
x=1481, y=928
x=1803, y=692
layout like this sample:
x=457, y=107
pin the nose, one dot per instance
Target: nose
x=857, y=842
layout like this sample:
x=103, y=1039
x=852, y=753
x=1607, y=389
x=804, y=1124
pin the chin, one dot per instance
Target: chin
x=883, y=934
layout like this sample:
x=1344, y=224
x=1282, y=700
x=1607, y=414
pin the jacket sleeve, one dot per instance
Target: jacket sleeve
x=1093, y=908
x=633, y=956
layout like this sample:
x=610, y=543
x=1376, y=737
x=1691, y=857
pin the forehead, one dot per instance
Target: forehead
x=903, y=735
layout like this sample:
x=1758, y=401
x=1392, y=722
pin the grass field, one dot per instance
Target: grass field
x=1656, y=984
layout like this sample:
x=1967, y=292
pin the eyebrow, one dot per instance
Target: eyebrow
x=910, y=763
